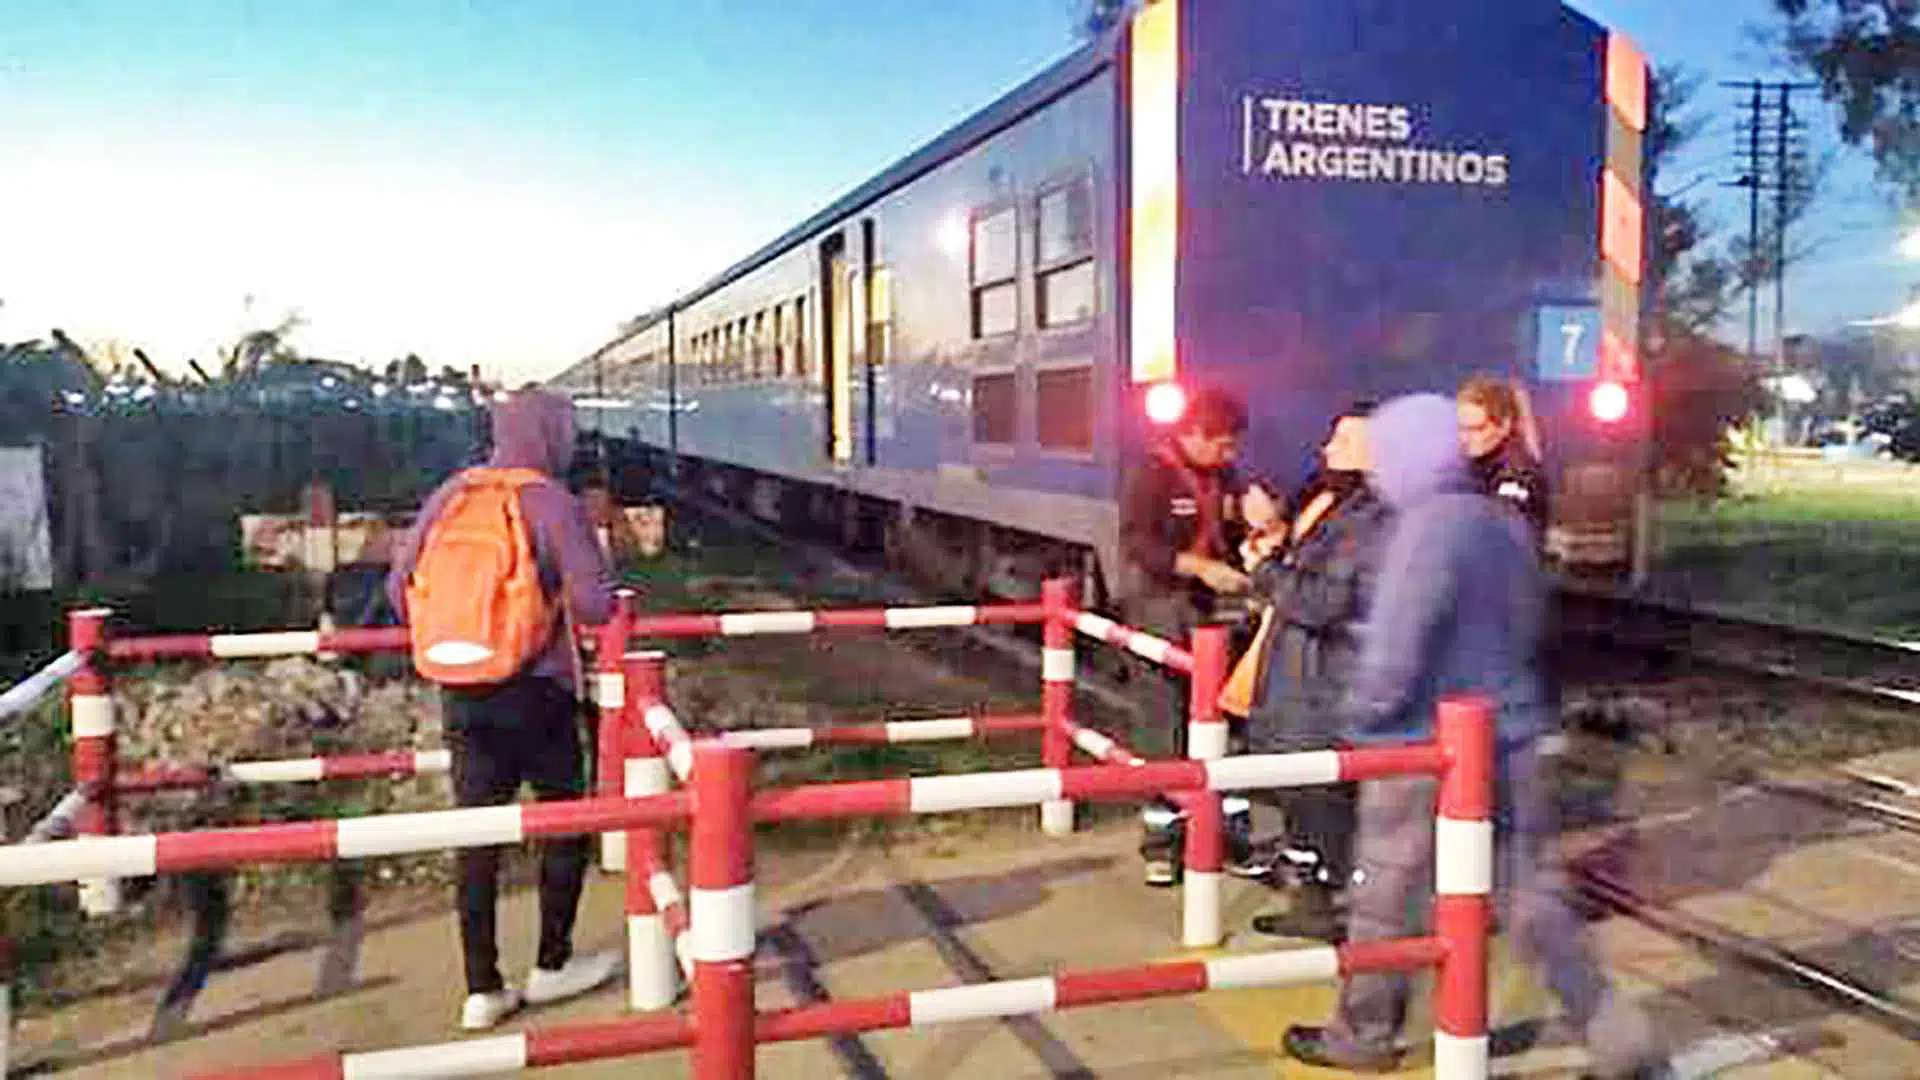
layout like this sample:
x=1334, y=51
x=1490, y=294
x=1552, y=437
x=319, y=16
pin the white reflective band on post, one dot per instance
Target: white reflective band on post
x=1021, y=787
x=665, y=890
x=919, y=618
x=469, y=1057
x=400, y=833
x=1243, y=772
x=1056, y=665
x=769, y=738
x=609, y=689
x=71, y=860
x=432, y=761
x=1457, y=1057
x=1273, y=968
x=650, y=977
x=1462, y=857
x=929, y=730
x=720, y=922
x=92, y=715
x=1094, y=626
x=1153, y=648
x=1200, y=909
x=1016, y=997
x=292, y=771
x=1207, y=742
x=646, y=776
x=1056, y=817
x=246, y=646
x=1093, y=742
x=767, y=622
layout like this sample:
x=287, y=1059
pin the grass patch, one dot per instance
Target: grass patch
x=1847, y=558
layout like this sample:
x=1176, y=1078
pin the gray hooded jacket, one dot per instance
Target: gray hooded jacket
x=1457, y=605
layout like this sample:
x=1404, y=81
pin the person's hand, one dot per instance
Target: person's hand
x=1259, y=509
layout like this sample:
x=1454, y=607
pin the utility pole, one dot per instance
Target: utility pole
x=1772, y=147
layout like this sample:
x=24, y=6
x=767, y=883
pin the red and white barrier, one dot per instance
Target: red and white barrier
x=1463, y=886
x=27, y=693
x=1058, y=597
x=722, y=926
x=352, y=640
x=752, y=623
x=536, y=1048
x=392, y=764
x=91, y=714
x=894, y=732
x=674, y=742
x=610, y=702
x=1138, y=642
x=656, y=912
x=1101, y=748
x=325, y=841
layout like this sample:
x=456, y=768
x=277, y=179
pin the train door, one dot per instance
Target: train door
x=836, y=335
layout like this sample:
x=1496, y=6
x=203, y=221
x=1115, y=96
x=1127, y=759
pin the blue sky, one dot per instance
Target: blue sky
x=500, y=182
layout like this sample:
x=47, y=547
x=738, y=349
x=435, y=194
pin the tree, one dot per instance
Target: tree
x=1866, y=56
x=1700, y=387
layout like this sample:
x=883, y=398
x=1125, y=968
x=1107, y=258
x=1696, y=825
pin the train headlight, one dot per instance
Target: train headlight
x=1166, y=403
x=1609, y=402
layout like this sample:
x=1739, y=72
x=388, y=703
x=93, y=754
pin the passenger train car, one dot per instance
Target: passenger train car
x=1306, y=203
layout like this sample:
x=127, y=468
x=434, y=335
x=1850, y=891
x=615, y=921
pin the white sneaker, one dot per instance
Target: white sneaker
x=483, y=1011
x=581, y=974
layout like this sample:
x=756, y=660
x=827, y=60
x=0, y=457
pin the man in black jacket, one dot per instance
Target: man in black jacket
x=1179, y=530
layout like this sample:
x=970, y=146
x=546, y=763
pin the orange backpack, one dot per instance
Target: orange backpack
x=476, y=611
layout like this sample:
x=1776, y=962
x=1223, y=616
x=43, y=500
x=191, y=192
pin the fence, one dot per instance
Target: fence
x=707, y=931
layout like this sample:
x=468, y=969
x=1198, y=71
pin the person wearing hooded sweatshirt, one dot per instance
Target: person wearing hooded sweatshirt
x=1456, y=609
x=525, y=729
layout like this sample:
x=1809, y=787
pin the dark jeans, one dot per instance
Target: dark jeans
x=524, y=731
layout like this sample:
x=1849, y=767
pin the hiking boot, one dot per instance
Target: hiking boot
x=483, y=1011
x=576, y=977
x=1308, y=1044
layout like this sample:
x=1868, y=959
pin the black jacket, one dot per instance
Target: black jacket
x=1511, y=474
x=1319, y=592
x=1159, y=519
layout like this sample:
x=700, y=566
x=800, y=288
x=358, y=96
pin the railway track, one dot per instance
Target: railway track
x=1879, y=671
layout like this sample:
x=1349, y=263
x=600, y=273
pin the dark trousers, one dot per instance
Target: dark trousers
x=1393, y=880
x=524, y=731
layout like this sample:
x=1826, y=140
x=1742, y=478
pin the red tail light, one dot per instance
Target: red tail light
x=1609, y=402
x=1166, y=403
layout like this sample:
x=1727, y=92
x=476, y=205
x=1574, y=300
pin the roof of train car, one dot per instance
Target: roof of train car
x=1058, y=78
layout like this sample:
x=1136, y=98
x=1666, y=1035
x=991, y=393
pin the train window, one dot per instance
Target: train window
x=1066, y=294
x=879, y=314
x=1065, y=229
x=995, y=403
x=1063, y=404
x=1064, y=285
x=762, y=365
x=996, y=302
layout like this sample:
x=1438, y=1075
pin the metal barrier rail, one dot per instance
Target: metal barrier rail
x=723, y=1027
x=27, y=693
x=394, y=764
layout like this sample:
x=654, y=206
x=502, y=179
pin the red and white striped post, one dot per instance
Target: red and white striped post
x=720, y=839
x=1463, y=882
x=610, y=702
x=1057, y=596
x=652, y=976
x=90, y=711
x=1201, y=924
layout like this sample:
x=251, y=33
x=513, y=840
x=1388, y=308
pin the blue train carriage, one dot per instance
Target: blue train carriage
x=959, y=357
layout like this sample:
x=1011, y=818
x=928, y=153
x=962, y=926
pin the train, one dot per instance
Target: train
x=1304, y=204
